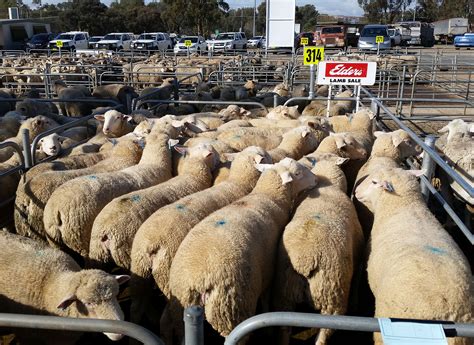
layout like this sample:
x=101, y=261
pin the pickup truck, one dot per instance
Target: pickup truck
x=228, y=41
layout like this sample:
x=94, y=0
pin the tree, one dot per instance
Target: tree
x=428, y=10
x=307, y=16
x=77, y=16
x=383, y=11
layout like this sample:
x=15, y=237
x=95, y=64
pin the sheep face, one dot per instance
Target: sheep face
x=113, y=122
x=457, y=128
x=347, y=144
x=300, y=176
x=143, y=128
x=95, y=295
x=284, y=112
x=51, y=145
x=234, y=112
x=403, y=142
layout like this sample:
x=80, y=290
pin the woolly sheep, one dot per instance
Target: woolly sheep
x=32, y=108
x=342, y=144
x=117, y=92
x=35, y=125
x=72, y=208
x=115, y=226
x=457, y=128
x=240, y=138
x=72, y=92
x=415, y=272
x=115, y=124
x=54, y=143
x=320, y=247
x=295, y=144
x=159, y=237
x=9, y=127
x=283, y=112
x=37, y=279
x=281, y=89
x=226, y=261
x=234, y=112
x=33, y=195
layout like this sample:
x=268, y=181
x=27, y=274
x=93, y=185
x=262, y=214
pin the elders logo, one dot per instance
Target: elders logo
x=346, y=70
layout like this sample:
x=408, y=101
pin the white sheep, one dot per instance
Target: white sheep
x=37, y=279
x=115, y=124
x=159, y=237
x=415, y=269
x=115, y=226
x=225, y=263
x=32, y=196
x=283, y=112
x=295, y=144
x=72, y=208
x=320, y=247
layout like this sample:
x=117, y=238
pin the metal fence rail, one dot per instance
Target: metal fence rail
x=83, y=325
x=348, y=323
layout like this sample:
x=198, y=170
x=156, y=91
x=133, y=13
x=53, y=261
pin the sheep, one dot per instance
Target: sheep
x=315, y=108
x=389, y=150
x=234, y=112
x=283, y=112
x=343, y=145
x=72, y=109
x=240, y=138
x=37, y=279
x=72, y=208
x=415, y=269
x=236, y=246
x=33, y=195
x=35, y=125
x=282, y=90
x=5, y=107
x=9, y=127
x=32, y=108
x=176, y=219
x=320, y=247
x=115, y=124
x=157, y=93
x=455, y=128
x=346, y=105
x=115, y=226
x=54, y=143
x=117, y=92
x=295, y=143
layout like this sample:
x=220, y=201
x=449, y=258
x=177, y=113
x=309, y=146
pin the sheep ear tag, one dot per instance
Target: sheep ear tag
x=263, y=167
x=286, y=177
x=172, y=143
x=121, y=279
x=340, y=143
x=67, y=302
x=304, y=133
x=341, y=161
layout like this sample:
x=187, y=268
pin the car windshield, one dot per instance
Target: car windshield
x=372, y=32
x=225, y=37
x=332, y=30
x=256, y=38
x=65, y=37
x=95, y=39
x=112, y=37
x=39, y=37
x=192, y=39
x=147, y=37
x=391, y=32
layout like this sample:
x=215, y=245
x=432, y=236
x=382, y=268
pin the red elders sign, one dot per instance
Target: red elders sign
x=346, y=73
x=346, y=70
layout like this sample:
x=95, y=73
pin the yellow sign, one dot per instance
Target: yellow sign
x=313, y=55
x=188, y=43
x=59, y=44
x=304, y=41
x=379, y=39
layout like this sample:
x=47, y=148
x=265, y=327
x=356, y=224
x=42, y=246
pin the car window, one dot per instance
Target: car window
x=372, y=32
x=332, y=30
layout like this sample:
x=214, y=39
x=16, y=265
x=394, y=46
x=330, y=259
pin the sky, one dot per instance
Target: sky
x=341, y=7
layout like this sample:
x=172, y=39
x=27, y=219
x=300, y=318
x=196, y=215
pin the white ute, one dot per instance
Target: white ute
x=152, y=41
x=115, y=41
x=71, y=40
x=228, y=41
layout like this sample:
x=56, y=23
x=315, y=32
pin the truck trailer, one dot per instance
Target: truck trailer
x=445, y=30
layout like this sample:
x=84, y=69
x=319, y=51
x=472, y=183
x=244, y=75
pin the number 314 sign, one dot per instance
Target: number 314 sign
x=313, y=55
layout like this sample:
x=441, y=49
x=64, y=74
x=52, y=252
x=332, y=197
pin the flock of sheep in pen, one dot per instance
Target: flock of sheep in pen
x=231, y=208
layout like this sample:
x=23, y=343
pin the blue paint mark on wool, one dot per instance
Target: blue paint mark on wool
x=435, y=250
x=237, y=137
x=180, y=207
x=135, y=198
x=317, y=216
x=220, y=222
x=92, y=177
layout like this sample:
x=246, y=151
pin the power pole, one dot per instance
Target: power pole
x=254, y=15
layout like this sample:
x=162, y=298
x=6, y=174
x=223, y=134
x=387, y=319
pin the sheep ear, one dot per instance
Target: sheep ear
x=61, y=139
x=245, y=112
x=294, y=107
x=304, y=133
x=371, y=115
x=378, y=133
x=181, y=149
x=341, y=161
x=229, y=157
x=127, y=118
x=340, y=143
x=396, y=140
x=67, y=302
x=258, y=159
x=444, y=129
x=286, y=177
x=121, y=279
x=207, y=153
x=263, y=167
x=417, y=173
x=100, y=118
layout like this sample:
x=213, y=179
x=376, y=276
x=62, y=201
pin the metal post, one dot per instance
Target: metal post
x=275, y=101
x=193, y=325
x=428, y=165
x=357, y=97
x=254, y=15
x=26, y=148
x=311, y=82
x=329, y=100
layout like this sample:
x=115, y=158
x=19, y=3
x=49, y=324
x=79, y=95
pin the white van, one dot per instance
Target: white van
x=71, y=40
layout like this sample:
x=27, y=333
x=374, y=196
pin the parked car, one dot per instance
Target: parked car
x=93, y=40
x=115, y=41
x=464, y=41
x=71, y=40
x=228, y=41
x=198, y=44
x=153, y=41
x=331, y=36
x=368, y=35
x=308, y=35
x=256, y=42
x=395, y=36
x=39, y=41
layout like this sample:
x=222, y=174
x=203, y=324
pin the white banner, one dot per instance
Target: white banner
x=346, y=73
x=280, y=23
